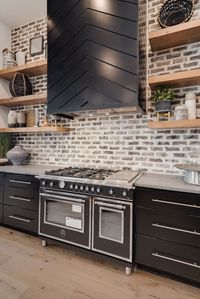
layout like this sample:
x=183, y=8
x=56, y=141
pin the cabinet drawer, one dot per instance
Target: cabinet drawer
x=1, y=193
x=1, y=213
x=175, y=202
x=21, y=181
x=169, y=257
x=21, y=218
x=1, y=178
x=167, y=226
x=21, y=198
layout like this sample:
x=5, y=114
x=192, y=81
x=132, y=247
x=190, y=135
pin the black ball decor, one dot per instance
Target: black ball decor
x=20, y=85
x=174, y=12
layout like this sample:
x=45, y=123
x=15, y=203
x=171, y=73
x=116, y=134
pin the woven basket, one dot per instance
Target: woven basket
x=174, y=12
x=20, y=85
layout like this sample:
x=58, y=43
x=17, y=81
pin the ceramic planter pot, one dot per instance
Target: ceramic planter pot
x=17, y=155
x=163, y=106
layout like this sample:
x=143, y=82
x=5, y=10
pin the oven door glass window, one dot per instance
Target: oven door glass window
x=111, y=224
x=64, y=214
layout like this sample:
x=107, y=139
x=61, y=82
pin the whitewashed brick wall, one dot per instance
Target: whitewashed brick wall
x=121, y=140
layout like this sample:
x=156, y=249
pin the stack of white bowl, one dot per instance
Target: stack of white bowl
x=8, y=59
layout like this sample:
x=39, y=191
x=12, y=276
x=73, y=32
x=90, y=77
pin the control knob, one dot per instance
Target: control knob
x=92, y=189
x=51, y=184
x=111, y=192
x=81, y=188
x=124, y=193
x=76, y=187
x=87, y=188
x=71, y=186
x=98, y=190
x=62, y=184
x=43, y=183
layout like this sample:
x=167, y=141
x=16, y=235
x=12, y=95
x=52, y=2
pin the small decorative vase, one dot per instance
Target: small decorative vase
x=12, y=119
x=190, y=103
x=181, y=112
x=21, y=119
x=17, y=155
x=21, y=58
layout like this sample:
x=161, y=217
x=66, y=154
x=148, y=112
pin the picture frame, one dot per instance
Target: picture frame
x=36, y=45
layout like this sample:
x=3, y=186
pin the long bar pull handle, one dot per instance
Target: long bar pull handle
x=176, y=260
x=175, y=203
x=62, y=197
x=176, y=229
x=20, y=219
x=20, y=182
x=103, y=204
x=20, y=198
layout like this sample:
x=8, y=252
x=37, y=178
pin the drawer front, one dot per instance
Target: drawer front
x=21, y=198
x=175, y=202
x=1, y=178
x=21, y=181
x=167, y=226
x=1, y=213
x=172, y=258
x=1, y=193
x=21, y=218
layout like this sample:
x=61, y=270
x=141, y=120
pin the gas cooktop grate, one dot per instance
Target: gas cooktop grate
x=88, y=173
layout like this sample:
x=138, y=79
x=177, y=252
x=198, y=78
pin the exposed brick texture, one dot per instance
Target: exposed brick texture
x=117, y=140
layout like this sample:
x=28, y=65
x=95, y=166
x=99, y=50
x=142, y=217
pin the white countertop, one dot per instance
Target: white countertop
x=28, y=169
x=148, y=180
x=166, y=182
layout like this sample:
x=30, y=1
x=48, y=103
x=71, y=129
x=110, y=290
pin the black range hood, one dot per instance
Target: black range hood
x=92, y=55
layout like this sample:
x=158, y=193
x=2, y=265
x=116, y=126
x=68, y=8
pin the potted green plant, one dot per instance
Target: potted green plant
x=163, y=97
x=5, y=146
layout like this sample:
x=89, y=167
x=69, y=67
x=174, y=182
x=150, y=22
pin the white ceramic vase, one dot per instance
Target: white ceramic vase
x=17, y=155
x=12, y=119
x=190, y=103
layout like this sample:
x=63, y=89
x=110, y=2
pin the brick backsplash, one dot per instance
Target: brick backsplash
x=117, y=140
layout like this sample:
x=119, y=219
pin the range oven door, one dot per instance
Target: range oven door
x=112, y=228
x=65, y=217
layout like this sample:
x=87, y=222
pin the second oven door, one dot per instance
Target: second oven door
x=112, y=228
x=65, y=217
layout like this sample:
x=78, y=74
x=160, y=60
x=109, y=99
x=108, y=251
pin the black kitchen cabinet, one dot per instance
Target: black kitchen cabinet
x=93, y=55
x=167, y=232
x=21, y=202
x=1, y=197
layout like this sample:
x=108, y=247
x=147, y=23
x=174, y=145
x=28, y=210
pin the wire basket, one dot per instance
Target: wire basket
x=174, y=12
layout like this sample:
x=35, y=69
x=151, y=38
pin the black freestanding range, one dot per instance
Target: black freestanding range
x=89, y=208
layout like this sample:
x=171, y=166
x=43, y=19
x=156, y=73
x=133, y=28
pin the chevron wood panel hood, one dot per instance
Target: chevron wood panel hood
x=92, y=55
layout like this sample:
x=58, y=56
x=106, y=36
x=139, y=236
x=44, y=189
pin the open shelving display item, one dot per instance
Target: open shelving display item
x=175, y=124
x=175, y=36
x=34, y=99
x=35, y=130
x=30, y=69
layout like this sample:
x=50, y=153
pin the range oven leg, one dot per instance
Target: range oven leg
x=44, y=243
x=128, y=270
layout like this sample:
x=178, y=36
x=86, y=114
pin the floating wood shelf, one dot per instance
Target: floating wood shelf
x=35, y=130
x=175, y=36
x=176, y=124
x=26, y=100
x=29, y=69
x=179, y=79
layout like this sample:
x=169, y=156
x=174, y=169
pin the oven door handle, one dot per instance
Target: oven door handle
x=63, y=197
x=109, y=205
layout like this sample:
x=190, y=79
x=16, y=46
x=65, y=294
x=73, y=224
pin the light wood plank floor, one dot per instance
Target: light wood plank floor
x=28, y=271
